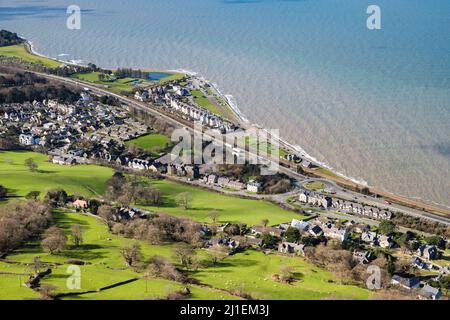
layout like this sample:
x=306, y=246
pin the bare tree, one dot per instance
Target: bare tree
x=31, y=164
x=106, y=212
x=77, y=234
x=132, y=255
x=184, y=200
x=54, y=241
x=214, y=214
x=36, y=265
x=186, y=254
x=46, y=291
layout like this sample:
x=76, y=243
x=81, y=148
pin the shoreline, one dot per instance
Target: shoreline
x=414, y=201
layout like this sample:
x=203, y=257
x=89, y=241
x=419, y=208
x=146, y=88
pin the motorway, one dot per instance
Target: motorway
x=340, y=192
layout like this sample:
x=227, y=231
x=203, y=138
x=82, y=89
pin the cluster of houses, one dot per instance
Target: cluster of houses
x=424, y=290
x=60, y=127
x=327, y=202
x=176, y=98
x=227, y=183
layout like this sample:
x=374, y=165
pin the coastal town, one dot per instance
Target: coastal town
x=149, y=195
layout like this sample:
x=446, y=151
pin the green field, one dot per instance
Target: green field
x=230, y=209
x=106, y=266
x=19, y=51
x=153, y=142
x=253, y=271
x=204, y=102
x=250, y=271
x=315, y=185
x=83, y=179
x=119, y=85
x=124, y=84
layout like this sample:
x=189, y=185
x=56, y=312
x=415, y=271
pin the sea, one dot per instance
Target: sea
x=371, y=104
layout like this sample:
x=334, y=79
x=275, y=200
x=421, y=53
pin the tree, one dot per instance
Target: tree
x=36, y=265
x=185, y=253
x=77, y=234
x=3, y=192
x=94, y=205
x=213, y=214
x=54, y=241
x=31, y=164
x=292, y=234
x=265, y=222
x=387, y=227
x=268, y=240
x=46, y=291
x=183, y=200
x=56, y=197
x=106, y=212
x=33, y=195
x=132, y=254
x=287, y=274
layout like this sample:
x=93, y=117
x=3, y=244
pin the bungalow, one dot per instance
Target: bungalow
x=64, y=160
x=385, y=241
x=428, y=252
x=80, y=204
x=405, y=282
x=289, y=247
x=253, y=242
x=299, y=225
x=363, y=257
x=331, y=231
x=316, y=231
x=28, y=140
x=369, y=237
x=258, y=230
x=129, y=213
x=430, y=293
x=158, y=167
x=254, y=186
x=419, y=263
x=224, y=242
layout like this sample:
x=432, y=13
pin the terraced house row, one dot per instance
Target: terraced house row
x=327, y=202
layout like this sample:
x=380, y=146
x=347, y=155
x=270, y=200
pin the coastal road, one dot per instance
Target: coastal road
x=340, y=192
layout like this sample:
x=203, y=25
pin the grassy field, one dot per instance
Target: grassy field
x=20, y=52
x=153, y=142
x=204, y=102
x=84, y=179
x=230, y=209
x=125, y=84
x=314, y=185
x=106, y=266
x=253, y=272
x=250, y=271
x=119, y=85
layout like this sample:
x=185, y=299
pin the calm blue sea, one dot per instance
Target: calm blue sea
x=373, y=105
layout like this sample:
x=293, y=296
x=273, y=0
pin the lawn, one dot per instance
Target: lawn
x=230, y=209
x=124, y=84
x=204, y=102
x=153, y=142
x=315, y=185
x=101, y=250
x=83, y=179
x=19, y=51
x=252, y=272
x=117, y=86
